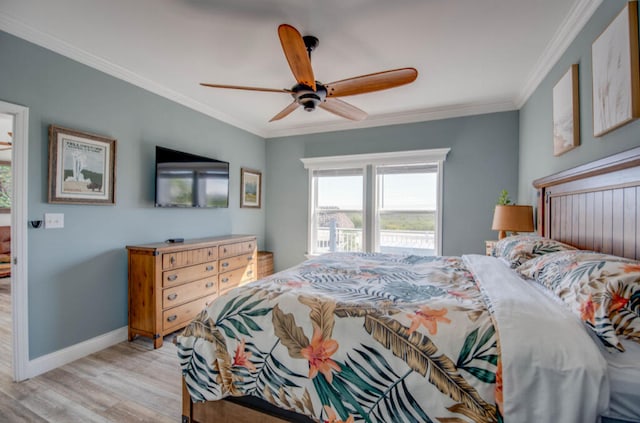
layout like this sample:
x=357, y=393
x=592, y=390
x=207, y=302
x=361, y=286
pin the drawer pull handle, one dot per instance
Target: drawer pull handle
x=210, y=268
x=172, y=318
x=210, y=253
x=250, y=246
x=225, y=264
x=172, y=260
x=209, y=285
x=250, y=272
x=225, y=280
x=250, y=258
x=172, y=297
x=172, y=278
x=224, y=250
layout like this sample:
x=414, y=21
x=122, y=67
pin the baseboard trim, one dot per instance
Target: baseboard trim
x=64, y=356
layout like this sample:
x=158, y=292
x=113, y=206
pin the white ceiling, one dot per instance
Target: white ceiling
x=473, y=56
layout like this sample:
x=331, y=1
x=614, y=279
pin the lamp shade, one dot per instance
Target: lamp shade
x=512, y=218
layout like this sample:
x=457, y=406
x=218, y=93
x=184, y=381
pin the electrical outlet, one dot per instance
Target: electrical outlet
x=53, y=220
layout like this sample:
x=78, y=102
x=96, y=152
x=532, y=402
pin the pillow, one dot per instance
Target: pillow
x=517, y=249
x=603, y=290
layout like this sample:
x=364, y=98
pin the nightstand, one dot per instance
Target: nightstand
x=489, y=246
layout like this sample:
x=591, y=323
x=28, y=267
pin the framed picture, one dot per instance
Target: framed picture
x=250, y=188
x=616, y=78
x=566, y=112
x=81, y=167
x=5, y=186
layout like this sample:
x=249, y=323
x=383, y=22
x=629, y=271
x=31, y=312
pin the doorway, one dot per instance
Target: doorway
x=6, y=188
x=13, y=214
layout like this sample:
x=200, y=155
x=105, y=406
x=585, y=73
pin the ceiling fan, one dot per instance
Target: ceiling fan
x=310, y=93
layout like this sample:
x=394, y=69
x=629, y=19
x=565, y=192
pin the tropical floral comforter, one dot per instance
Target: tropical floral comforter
x=354, y=337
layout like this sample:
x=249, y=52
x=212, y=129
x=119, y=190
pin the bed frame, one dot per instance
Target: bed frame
x=595, y=206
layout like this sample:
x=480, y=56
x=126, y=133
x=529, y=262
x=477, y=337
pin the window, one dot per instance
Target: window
x=406, y=209
x=337, y=217
x=387, y=202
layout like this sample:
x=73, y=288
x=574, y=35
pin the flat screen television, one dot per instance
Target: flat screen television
x=188, y=180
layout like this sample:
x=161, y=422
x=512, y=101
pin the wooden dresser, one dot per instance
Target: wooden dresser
x=169, y=284
x=265, y=264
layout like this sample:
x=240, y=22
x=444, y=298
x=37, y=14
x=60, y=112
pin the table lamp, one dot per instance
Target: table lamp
x=512, y=218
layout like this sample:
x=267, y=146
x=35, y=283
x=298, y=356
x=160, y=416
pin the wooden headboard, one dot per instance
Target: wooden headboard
x=595, y=206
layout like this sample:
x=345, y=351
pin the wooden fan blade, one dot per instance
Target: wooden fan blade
x=5, y=143
x=239, y=87
x=342, y=108
x=372, y=82
x=286, y=111
x=296, y=54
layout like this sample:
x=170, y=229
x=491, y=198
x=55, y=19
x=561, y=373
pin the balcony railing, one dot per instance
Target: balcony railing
x=390, y=241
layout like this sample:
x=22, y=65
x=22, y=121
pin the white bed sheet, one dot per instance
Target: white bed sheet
x=624, y=377
x=623, y=370
x=571, y=382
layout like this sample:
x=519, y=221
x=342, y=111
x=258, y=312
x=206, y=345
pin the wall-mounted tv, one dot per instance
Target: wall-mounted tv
x=188, y=180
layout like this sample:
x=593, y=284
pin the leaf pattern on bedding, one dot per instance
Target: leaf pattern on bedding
x=419, y=352
x=321, y=314
x=603, y=290
x=352, y=337
x=288, y=333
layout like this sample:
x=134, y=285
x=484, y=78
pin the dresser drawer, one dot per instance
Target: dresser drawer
x=177, y=317
x=188, y=274
x=181, y=294
x=228, y=280
x=229, y=250
x=188, y=257
x=236, y=262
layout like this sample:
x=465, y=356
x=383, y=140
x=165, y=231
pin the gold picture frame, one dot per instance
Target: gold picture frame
x=250, y=188
x=81, y=167
x=566, y=112
x=616, y=73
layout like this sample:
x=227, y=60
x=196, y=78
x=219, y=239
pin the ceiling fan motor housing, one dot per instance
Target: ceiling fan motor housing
x=307, y=98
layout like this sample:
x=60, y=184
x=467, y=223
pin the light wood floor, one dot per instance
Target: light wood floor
x=129, y=382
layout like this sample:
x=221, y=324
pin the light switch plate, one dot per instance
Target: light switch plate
x=53, y=220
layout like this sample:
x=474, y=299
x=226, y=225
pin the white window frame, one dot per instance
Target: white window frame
x=313, y=193
x=437, y=156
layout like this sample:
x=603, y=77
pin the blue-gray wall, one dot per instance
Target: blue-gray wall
x=78, y=275
x=482, y=162
x=536, y=142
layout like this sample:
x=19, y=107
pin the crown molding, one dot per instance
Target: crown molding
x=576, y=19
x=26, y=32
x=437, y=113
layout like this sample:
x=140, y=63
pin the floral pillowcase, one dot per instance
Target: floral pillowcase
x=517, y=249
x=603, y=290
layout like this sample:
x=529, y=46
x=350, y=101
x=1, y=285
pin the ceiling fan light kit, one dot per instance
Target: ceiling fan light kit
x=310, y=93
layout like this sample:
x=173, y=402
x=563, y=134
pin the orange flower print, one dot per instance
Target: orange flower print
x=499, y=396
x=461, y=295
x=295, y=284
x=628, y=268
x=617, y=302
x=333, y=418
x=428, y=318
x=318, y=352
x=588, y=310
x=242, y=357
x=572, y=265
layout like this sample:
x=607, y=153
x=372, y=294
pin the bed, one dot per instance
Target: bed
x=373, y=337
